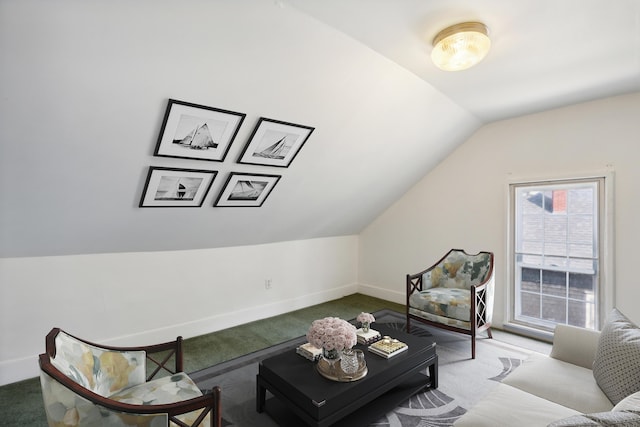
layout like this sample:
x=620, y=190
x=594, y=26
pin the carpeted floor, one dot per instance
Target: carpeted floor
x=462, y=380
x=21, y=402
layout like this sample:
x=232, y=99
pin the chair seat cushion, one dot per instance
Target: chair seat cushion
x=170, y=389
x=174, y=388
x=452, y=303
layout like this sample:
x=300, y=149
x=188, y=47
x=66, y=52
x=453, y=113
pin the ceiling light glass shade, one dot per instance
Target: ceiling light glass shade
x=460, y=46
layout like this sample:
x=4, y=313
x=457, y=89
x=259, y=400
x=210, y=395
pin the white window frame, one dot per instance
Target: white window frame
x=606, y=290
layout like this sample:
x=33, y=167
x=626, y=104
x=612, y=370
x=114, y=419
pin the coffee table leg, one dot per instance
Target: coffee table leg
x=261, y=395
x=433, y=373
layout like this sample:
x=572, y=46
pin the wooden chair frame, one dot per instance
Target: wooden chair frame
x=478, y=314
x=209, y=402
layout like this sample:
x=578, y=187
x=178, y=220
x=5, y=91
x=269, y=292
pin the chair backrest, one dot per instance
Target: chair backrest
x=457, y=269
x=103, y=371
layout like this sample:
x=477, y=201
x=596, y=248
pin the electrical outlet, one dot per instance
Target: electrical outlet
x=267, y=283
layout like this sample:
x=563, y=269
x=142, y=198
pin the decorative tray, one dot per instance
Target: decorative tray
x=334, y=372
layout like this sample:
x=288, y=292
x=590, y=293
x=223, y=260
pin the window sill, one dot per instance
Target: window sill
x=527, y=331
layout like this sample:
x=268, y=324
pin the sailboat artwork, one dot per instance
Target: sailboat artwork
x=274, y=143
x=199, y=138
x=277, y=150
x=171, y=187
x=247, y=190
x=177, y=188
x=193, y=131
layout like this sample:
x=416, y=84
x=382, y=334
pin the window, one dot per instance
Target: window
x=556, y=253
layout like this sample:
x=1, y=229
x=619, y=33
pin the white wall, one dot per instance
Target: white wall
x=149, y=297
x=462, y=203
x=84, y=87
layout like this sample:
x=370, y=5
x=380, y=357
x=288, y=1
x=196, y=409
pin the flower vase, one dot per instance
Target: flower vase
x=331, y=357
x=365, y=326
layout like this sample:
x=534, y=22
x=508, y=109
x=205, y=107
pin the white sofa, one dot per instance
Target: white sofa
x=561, y=389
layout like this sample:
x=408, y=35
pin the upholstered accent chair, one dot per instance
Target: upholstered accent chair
x=86, y=384
x=455, y=293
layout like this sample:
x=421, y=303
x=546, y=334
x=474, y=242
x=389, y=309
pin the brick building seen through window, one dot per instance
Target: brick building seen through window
x=556, y=254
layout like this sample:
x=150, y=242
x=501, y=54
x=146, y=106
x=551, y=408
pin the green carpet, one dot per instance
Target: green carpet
x=21, y=402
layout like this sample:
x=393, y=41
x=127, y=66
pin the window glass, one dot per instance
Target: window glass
x=556, y=253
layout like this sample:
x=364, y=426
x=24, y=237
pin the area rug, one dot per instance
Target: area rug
x=462, y=381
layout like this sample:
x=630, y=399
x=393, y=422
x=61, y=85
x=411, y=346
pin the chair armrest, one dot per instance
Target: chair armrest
x=575, y=345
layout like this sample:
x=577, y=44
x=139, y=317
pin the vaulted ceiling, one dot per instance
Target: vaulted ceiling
x=84, y=86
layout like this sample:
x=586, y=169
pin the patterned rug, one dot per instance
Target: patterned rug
x=462, y=381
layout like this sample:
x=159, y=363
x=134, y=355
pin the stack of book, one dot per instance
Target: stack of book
x=368, y=337
x=309, y=351
x=388, y=347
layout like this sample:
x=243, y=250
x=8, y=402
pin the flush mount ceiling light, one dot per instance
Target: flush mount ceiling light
x=460, y=46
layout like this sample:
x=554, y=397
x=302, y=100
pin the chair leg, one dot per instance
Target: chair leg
x=474, y=332
x=473, y=347
x=489, y=333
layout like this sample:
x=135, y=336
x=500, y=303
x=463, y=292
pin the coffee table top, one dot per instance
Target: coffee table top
x=297, y=378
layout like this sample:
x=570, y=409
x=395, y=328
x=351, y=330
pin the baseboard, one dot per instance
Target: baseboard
x=382, y=293
x=233, y=318
x=15, y=370
x=25, y=368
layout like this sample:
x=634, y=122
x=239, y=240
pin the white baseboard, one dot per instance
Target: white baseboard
x=233, y=318
x=21, y=369
x=15, y=370
x=382, y=293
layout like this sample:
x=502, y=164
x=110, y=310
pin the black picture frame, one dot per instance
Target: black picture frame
x=246, y=189
x=274, y=143
x=174, y=187
x=193, y=131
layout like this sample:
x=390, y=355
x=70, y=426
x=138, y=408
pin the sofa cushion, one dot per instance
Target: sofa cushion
x=575, y=345
x=508, y=406
x=560, y=382
x=629, y=403
x=616, y=368
x=609, y=419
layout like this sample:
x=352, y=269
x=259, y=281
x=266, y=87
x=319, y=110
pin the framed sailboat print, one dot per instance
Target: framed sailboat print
x=193, y=131
x=169, y=187
x=274, y=143
x=246, y=189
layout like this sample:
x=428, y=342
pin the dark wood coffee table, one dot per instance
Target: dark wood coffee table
x=302, y=396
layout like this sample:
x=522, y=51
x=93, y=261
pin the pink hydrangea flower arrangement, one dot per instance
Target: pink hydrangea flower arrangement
x=365, y=318
x=332, y=333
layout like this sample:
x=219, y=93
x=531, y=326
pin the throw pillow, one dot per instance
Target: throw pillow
x=616, y=367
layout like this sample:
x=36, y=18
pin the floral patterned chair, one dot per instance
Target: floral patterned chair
x=84, y=384
x=456, y=293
